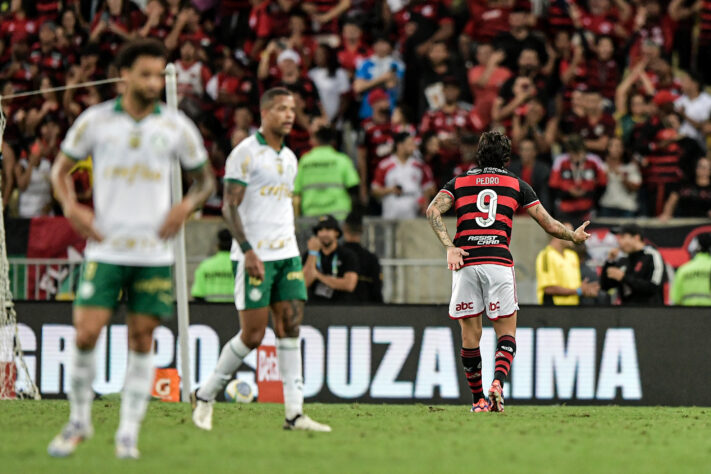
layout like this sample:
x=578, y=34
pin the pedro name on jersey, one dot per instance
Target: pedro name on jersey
x=485, y=201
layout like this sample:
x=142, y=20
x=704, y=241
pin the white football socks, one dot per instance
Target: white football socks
x=136, y=393
x=83, y=371
x=230, y=359
x=289, y=355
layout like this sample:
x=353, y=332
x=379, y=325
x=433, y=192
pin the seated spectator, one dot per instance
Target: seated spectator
x=381, y=71
x=595, y=127
x=332, y=83
x=577, y=180
x=694, y=107
x=623, y=183
x=692, y=282
x=324, y=14
x=692, y=198
x=532, y=171
x=639, y=277
x=330, y=270
x=485, y=80
x=404, y=183
x=326, y=180
x=449, y=122
x=558, y=279
x=32, y=173
x=375, y=140
x=370, y=275
x=214, y=280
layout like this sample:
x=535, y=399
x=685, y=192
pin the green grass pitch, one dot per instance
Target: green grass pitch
x=371, y=438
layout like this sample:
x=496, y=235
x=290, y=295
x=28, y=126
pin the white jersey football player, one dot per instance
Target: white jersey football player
x=133, y=141
x=258, y=210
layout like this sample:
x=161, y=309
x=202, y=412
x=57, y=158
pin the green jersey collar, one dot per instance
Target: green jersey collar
x=118, y=106
x=263, y=141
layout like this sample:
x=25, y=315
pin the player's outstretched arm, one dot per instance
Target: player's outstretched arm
x=439, y=205
x=203, y=185
x=234, y=194
x=555, y=228
x=81, y=217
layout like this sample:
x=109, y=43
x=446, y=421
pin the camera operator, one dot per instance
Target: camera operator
x=330, y=270
x=640, y=276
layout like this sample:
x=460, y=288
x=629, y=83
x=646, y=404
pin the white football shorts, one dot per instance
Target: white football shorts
x=486, y=287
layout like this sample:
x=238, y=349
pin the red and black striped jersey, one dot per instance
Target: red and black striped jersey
x=705, y=23
x=485, y=200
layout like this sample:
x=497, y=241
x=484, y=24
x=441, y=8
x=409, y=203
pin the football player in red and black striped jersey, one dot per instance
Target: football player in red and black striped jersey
x=485, y=200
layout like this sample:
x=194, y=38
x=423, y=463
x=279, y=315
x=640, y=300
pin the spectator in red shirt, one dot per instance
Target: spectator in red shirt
x=448, y=122
x=531, y=123
x=602, y=18
x=46, y=55
x=487, y=20
x=596, y=126
x=17, y=26
x=375, y=141
x=187, y=27
x=300, y=40
x=268, y=20
x=577, y=181
x=325, y=14
x=20, y=71
x=693, y=197
x=485, y=80
x=231, y=86
x=113, y=25
x=74, y=34
x=353, y=48
x=653, y=25
x=155, y=25
x=438, y=65
x=469, y=144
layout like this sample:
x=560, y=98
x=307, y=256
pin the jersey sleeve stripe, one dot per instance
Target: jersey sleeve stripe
x=532, y=204
x=71, y=156
x=235, y=180
x=447, y=192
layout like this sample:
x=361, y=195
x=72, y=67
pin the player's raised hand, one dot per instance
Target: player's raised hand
x=254, y=266
x=455, y=258
x=175, y=219
x=82, y=220
x=580, y=236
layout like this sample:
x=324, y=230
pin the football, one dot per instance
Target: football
x=239, y=391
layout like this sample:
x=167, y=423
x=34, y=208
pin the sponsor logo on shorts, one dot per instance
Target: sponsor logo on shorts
x=495, y=306
x=253, y=281
x=295, y=275
x=464, y=306
x=87, y=290
x=154, y=285
x=255, y=294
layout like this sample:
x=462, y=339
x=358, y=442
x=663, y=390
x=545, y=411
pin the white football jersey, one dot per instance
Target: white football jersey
x=266, y=211
x=132, y=177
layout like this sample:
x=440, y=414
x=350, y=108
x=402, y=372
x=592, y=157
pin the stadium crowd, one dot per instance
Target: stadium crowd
x=604, y=99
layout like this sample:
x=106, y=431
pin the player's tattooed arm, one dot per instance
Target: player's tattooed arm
x=439, y=205
x=234, y=194
x=556, y=228
x=203, y=185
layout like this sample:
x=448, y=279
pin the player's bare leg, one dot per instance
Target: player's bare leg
x=88, y=322
x=137, y=387
x=287, y=321
x=253, y=324
x=471, y=361
x=505, y=351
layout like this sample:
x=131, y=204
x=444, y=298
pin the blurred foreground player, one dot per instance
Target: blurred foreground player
x=258, y=211
x=485, y=199
x=133, y=140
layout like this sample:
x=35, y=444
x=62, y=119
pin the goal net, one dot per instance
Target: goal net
x=15, y=379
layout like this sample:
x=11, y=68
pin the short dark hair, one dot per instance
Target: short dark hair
x=224, y=240
x=400, y=137
x=697, y=78
x=494, y=150
x=575, y=144
x=133, y=50
x=268, y=97
x=325, y=135
x=354, y=222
